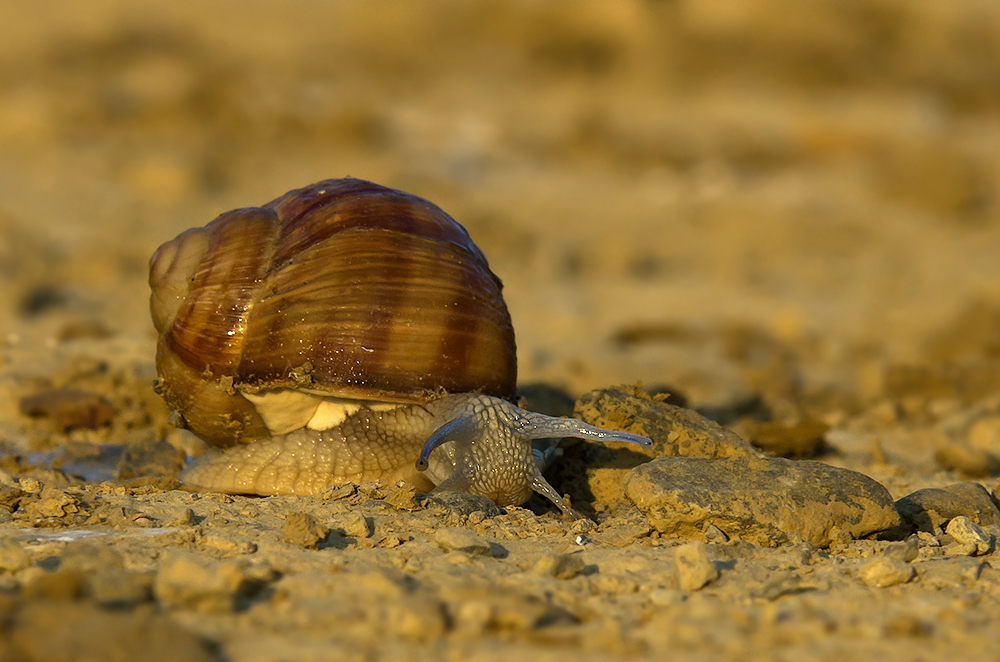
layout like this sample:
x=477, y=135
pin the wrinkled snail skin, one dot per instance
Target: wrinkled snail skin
x=345, y=331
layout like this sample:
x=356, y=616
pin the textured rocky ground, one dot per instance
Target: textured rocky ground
x=785, y=216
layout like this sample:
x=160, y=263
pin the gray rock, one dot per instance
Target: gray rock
x=768, y=501
x=930, y=509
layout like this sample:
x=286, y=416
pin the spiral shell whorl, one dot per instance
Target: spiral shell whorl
x=341, y=288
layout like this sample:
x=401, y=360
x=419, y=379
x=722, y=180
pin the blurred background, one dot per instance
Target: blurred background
x=797, y=203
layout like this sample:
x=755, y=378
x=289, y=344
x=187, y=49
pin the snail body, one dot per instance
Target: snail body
x=345, y=332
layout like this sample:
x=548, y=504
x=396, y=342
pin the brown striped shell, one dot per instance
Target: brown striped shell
x=344, y=289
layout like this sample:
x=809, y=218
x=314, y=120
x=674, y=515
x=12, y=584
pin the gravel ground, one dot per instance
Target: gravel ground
x=785, y=215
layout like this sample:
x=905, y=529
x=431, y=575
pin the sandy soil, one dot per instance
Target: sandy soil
x=786, y=213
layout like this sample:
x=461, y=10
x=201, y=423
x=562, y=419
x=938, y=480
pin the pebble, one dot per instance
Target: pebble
x=304, y=530
x=192, y=581
x=714, y=534
x=985, y=434
x=61, y=584
x=905, y=550
x=52, y=502
x=969, y=460
x=451, y=538
x=926, y=539
x=783, y=583
x=90, y=557
x=117, y=588
x=228, y=545
x=30, y=485
x=77, y=631
x=960, y=549
x=339, y=492
x=402, y=496
x=666, y=597
x=12, y=556
x=414, y=617
x=560, y=566
x=184, y=517
x=967, y=532
x=7, y=480
x=885, y=571
x=939, y=573
x=354, y=525
x=695, y=569
x=459, y=505
x=10, y=497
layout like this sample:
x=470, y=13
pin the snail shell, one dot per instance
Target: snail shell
x=343, y=288
x=337, y=328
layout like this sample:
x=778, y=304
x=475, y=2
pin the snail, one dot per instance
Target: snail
x=346, y=331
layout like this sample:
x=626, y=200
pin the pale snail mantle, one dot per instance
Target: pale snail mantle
x=346, y=332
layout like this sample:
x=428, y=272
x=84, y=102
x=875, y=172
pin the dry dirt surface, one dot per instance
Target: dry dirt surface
x=784, y=214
